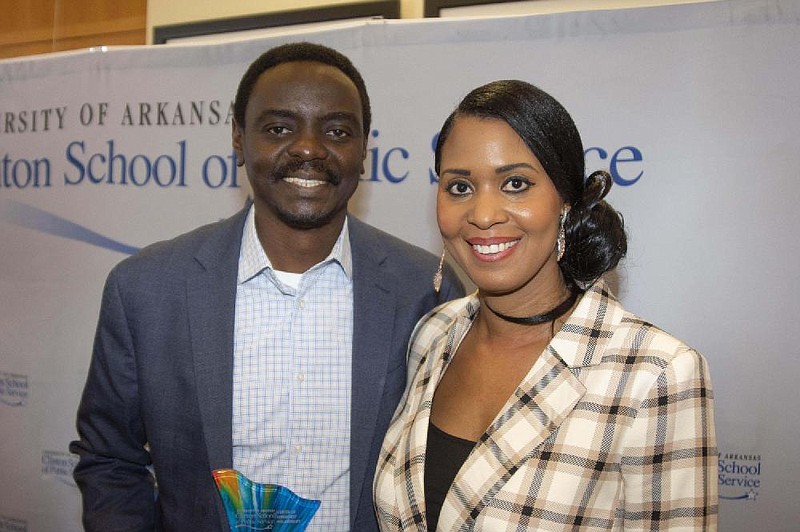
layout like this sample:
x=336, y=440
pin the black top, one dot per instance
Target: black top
x=444, y=456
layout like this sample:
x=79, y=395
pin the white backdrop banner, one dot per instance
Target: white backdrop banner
x=693, y=108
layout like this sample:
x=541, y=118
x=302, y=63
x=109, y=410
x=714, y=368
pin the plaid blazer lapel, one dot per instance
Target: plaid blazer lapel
x=540, y=404
x=433, y=351
x=538, y=407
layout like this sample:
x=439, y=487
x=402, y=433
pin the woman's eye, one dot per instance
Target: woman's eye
x=516, y=184
x=458, y=188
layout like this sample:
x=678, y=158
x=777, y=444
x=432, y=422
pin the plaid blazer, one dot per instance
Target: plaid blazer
x=611, y=429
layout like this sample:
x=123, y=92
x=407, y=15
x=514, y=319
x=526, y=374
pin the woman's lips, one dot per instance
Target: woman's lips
x=492, y=249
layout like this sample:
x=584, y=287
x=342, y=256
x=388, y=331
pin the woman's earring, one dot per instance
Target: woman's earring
x=437, y=277
x=561, y=243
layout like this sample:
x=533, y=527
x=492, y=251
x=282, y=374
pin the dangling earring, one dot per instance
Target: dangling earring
x=561, y=243
x=437, y=277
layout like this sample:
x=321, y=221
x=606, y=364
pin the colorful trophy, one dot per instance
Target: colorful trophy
x=252, y=506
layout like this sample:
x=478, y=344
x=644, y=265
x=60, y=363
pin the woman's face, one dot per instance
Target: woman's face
x=498, y=211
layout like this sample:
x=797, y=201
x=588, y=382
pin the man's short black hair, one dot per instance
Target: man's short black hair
x=293, y=52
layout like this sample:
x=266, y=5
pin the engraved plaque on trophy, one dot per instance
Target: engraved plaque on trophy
x=251, y=506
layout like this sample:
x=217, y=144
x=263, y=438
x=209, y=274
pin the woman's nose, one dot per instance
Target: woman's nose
x=487, y=210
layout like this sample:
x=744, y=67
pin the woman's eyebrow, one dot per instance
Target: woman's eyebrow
x=513, y=166
x=457, y=171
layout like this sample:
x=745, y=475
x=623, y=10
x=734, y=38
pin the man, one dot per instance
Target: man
x=272, y=342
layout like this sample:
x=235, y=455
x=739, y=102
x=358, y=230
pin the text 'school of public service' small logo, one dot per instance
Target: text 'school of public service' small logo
x=59, y=465
x=739, y=476
x=11, y=524
x=13, y=389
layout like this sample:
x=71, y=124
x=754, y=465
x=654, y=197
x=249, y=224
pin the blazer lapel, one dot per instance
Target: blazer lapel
x=541, y=403
x=538, y=407
x=410, y=472
x=211, y=301
x=373, y=297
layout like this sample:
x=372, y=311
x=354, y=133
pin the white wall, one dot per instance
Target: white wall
x=166, y=12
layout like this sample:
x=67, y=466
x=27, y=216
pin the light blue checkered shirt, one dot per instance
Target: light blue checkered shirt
x=292, y=377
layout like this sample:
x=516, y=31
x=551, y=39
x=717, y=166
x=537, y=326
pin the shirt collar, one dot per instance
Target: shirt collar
x=253, y=260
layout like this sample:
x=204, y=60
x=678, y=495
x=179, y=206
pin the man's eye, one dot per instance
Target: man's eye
x=459, y=188
x=278, y=130
x=339, y=133
x=516, y=184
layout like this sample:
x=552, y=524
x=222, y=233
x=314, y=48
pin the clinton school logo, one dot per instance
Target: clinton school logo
x=13, y=389
x=739, y=476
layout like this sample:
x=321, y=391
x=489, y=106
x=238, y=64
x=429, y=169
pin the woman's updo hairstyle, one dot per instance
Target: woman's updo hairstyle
x=595, y=234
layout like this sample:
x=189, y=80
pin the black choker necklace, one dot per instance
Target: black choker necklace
x=540, y=318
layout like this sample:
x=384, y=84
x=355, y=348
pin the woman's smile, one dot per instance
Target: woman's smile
x=492, y=249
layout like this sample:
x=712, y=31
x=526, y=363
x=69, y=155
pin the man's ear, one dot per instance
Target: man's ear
x=237, y=141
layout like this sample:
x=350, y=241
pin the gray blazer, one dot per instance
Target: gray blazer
x=159, y=390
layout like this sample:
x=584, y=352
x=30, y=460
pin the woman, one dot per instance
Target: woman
x=539, y=403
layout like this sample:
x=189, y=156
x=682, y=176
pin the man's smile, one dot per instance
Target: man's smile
x=304, y=183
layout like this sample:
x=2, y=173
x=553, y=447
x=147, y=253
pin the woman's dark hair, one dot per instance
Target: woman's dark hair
x=595, y=234
x=291, y=53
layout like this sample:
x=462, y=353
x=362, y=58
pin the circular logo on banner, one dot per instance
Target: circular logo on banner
x=739, y=476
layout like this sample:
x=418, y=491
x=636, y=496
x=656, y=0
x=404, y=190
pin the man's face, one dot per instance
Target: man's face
x=302, y=143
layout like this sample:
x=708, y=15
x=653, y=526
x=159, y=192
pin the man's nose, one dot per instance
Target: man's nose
x=307, y=145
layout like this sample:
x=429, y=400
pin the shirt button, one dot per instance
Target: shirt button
x=298, y=449
x=301, y=377
x=301, y=304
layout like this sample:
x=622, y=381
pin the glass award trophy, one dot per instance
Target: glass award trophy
x=251, y=506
